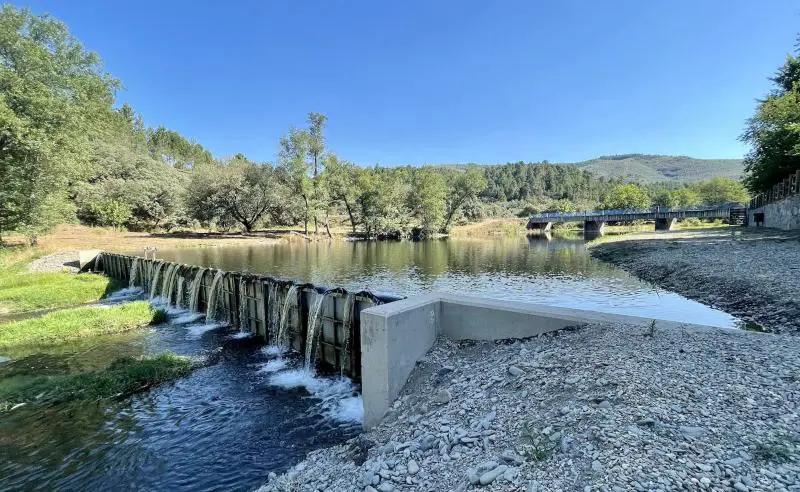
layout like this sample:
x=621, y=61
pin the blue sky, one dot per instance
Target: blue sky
x=410, y=82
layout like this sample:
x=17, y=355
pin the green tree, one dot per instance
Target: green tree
x=428, y=200
x=627, y=196
x=461, y=187
x=294, y=170
x=54, y=101
x=343, y=185
x=719, y=191
x=685, y=197
x=774, y=131
x=112, y=213
x=239, y=189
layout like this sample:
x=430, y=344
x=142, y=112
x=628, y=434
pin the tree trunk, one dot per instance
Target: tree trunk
x=305, y=220
x=328, y=229
x=350, y=214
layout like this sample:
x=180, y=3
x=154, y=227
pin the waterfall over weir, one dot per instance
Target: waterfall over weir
x=312, y=333
x=197, y=284
x=291, y=298
x=134, y=271
x=154, y=280
x=321, y=325
x=213, y=295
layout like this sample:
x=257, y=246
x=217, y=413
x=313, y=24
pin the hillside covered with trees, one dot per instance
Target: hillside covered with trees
x=647, y=169
x=70, y=152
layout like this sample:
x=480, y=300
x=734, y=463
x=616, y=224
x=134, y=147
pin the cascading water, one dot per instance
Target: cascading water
x=242, y=303
x=134, y=272
x=213, y=295
x=154, y=281
x=314, y=322
x=274, y=312
x=291, y=298
x=179, y=291
x=347, y=321
x=166, y=285
x=197, y=283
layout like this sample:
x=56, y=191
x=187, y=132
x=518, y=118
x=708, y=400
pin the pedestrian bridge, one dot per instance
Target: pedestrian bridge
x=664, y=217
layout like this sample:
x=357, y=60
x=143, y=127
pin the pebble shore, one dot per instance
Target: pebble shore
x=594, y=408
x=753, y=274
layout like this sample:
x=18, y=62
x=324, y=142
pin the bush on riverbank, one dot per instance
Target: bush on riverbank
x=73, y=324
x=22, y=291
x=123, y=377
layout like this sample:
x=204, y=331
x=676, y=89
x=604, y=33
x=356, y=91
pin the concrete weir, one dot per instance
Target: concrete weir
x=395, y=336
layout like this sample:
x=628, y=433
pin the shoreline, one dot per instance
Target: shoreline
x=749, y=273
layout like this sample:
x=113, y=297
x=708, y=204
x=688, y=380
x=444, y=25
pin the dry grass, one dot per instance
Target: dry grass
x=72, y=237
x=491, y=227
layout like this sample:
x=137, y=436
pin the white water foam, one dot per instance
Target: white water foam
x=186, y=318
x=274, y=365
x=339, y=400
x=242, y=334
x=124, y=293
x=197, y=331
x=273, y=350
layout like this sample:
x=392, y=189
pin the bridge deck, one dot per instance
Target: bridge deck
x=621, y=215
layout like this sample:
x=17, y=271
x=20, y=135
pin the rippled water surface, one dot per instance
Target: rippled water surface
x=557, y=272
x=224, y=427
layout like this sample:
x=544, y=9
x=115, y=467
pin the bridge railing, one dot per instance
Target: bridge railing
x=595, y=214
x=786, y=188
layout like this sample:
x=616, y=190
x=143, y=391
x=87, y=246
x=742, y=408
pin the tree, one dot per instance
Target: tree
x=774, y=131
x=462, y=186
x=428, y=198
x=685, y=197
x=54, y=99
x=719, y=191
x=294, y=170
x=343, y=185
x=627, y=196
x=239, y=189
x=112, y=213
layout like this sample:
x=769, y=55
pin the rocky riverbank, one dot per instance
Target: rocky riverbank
x=594, y=408
x=751, y=274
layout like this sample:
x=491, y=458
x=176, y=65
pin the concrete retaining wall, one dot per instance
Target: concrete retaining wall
x=395, y=336
x=784, y=214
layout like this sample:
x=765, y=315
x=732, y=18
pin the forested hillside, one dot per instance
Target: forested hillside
x=646, y=169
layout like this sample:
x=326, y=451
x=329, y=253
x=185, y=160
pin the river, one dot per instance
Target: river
x=229, y=424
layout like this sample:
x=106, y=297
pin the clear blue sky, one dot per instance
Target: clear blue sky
x=409, y=82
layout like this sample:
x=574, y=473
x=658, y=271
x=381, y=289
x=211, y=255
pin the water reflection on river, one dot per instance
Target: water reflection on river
x=557, y=272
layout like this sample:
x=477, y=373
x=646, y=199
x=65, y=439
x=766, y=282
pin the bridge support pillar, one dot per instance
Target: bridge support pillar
x=540, y=226
x=593, y=229
x=665, y=224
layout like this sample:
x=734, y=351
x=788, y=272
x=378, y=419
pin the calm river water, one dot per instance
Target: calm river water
x=558, y=272
x=251, y=412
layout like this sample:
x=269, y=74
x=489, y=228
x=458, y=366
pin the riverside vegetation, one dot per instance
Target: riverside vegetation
x=71, y=153
x=26, y=368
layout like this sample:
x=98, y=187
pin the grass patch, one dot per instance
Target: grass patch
x=74, y=324
x=535, y=445
x=123, y=377
x=21, y=291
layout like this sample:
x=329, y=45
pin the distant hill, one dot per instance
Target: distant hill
x=644, y=169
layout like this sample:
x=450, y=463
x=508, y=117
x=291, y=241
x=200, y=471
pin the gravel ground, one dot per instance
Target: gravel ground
x=57, y=262
x=751, y=274
x=594, y=408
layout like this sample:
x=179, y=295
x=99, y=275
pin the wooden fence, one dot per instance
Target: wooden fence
x=255, y=303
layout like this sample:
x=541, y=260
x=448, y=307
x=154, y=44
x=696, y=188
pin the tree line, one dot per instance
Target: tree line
x=69, y=153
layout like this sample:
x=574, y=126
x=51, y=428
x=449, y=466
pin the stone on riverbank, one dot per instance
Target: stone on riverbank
x=688, y=409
